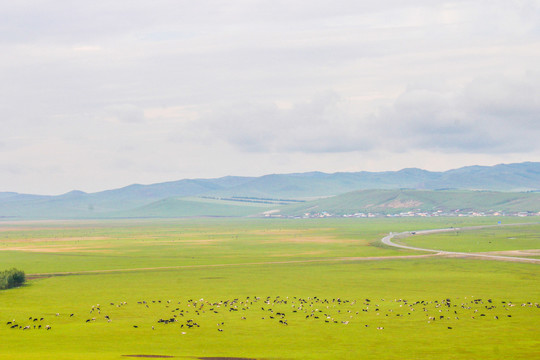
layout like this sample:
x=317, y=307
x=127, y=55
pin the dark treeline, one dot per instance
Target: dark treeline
x=250, y=199
x=268, y=199
x=11, y=278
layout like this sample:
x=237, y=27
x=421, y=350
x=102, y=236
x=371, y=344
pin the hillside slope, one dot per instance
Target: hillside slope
x=136, y=199
x=192, y=207
x=396, y=201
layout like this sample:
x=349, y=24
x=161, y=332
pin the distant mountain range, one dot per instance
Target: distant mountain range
x=241, y=196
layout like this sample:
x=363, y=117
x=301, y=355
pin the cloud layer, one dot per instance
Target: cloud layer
x=97, y=94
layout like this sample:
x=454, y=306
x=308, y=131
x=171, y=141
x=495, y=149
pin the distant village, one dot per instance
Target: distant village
x=438, y=213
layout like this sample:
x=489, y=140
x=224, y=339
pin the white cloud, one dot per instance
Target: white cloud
x=101, y=94
x=488, y=115
x=127, y=113
x=320, y=125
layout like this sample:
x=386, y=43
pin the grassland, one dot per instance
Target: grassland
x=481, y=240
x=262, y=264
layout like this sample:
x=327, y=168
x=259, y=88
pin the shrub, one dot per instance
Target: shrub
x=11, y=278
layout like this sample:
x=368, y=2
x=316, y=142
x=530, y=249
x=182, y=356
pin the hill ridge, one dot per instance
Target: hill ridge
x=514, y=177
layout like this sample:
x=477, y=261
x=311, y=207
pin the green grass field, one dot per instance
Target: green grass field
x=481, y=240
x=245, y=276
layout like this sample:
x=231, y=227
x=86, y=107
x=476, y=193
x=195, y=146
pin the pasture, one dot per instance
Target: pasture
x=498, y=239
x=262, y=289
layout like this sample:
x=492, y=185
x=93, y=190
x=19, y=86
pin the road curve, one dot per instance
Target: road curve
x=387, y=240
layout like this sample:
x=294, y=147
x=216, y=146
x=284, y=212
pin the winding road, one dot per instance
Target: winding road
x=387, y=240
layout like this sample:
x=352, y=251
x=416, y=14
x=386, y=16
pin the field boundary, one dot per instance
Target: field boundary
x=341, y=259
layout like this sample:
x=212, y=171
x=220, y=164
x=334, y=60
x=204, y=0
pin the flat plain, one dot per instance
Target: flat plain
x=493, y=239
x=266, y=289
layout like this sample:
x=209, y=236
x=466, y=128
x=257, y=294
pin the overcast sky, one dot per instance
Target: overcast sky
x=99, y=94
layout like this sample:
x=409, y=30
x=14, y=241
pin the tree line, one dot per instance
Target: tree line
x=11, y=278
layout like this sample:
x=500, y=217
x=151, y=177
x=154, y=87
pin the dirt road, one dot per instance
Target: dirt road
x=387, y=240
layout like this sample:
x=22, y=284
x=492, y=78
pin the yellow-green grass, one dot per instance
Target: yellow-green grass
x=81, y=246
x=409, y=335
x=481, y=240
x=404, y=336
x=135, y=244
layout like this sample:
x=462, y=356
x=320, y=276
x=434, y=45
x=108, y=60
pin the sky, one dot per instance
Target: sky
x=97, y=95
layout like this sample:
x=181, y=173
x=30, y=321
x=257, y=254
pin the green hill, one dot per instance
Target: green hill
x=193, y=207
x=163, y=199
x=396, y=201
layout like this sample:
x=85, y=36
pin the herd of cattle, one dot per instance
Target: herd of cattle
x=190, y=314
